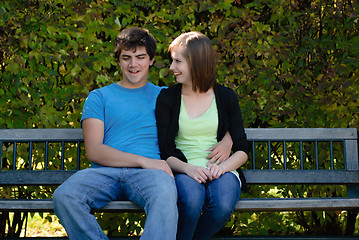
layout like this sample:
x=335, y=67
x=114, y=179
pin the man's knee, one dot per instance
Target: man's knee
x=165, y=186
x=59, y=196
x=63, y=196
x=167, y=195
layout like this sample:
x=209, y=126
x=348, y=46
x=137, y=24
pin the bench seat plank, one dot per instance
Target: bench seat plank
x=244, y=205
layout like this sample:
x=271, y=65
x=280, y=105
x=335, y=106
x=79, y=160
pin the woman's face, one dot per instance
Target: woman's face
x=180, y=67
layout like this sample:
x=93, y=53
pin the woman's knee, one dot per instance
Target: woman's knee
x=190, y=207
x=225, y=208
x=191, y=203
x=191, y=195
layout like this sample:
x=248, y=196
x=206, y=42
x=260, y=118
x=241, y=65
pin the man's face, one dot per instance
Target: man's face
x=134, y=66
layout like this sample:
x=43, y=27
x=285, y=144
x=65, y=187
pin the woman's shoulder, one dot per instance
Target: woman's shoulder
x=168, y=95
x=171, y=91
x=224, y=91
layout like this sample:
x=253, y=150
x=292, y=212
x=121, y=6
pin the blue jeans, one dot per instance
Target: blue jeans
x=92, y=188
x=205, y=208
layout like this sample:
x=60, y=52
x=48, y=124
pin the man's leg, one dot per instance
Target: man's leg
x=87, y=189
x=222, y=196
x=155, y=191
x=191, y=198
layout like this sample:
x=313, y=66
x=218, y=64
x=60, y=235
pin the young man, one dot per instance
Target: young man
x=120, y=133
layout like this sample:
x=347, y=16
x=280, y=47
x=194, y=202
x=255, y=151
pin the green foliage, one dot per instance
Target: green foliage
x=292, y=63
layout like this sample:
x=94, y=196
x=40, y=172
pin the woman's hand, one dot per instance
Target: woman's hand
x=215, y=170
x=199, y=174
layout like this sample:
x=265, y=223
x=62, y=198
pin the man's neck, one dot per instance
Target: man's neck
x=125, y=84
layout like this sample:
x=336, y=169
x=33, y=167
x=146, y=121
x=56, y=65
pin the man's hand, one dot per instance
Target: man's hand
x=220, y=151
x=156, y=164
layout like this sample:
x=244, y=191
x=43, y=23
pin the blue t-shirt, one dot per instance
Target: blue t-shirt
x=128, y=116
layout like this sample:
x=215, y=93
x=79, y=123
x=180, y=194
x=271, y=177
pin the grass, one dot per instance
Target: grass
x=48, y=226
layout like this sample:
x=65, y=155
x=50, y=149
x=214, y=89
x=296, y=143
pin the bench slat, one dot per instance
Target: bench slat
x=301, y=177
x=351, y=152
x=49, y=177
x=301, y=133
x=42, y=134
x=296, y=204
x=56, y=177
x=46, y=205
x=244, y=205
x=75, y=134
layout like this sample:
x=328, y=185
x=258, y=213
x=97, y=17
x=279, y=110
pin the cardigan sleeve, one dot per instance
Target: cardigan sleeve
x=235, y=127
x=167, y=124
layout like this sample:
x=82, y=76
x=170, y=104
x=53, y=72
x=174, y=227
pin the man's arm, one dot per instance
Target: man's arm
x=221, y=150
x=97, y=152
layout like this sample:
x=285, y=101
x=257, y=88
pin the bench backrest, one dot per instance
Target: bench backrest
x=278, y=156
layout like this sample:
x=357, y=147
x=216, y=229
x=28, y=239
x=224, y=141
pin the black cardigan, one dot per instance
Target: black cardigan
x=229, y=119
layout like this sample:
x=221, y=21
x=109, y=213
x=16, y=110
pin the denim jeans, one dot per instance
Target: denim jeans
x=92, y=188
x=205, y=208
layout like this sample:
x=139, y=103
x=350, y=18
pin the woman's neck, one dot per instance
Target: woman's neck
x=188, y=91
x=197, y=103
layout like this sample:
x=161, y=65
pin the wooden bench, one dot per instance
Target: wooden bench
x=266, y=166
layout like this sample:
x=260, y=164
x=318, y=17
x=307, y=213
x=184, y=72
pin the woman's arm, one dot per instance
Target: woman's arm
x=235, y=161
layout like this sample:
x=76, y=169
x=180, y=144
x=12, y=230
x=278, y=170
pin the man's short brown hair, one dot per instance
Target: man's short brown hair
x=133, y=37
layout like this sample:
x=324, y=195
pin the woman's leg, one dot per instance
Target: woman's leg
x=191, y=197
x=222, y=196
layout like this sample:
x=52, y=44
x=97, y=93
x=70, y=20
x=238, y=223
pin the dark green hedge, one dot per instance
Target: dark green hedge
x=293, y=64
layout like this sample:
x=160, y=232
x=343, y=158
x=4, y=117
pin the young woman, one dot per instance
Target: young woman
x=192, y=116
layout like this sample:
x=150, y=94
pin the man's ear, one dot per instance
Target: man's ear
x=152, y=62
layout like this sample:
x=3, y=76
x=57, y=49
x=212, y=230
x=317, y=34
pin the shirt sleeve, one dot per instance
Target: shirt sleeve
x=94, y=107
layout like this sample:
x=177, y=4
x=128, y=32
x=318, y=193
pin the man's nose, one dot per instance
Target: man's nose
x=133, y=62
